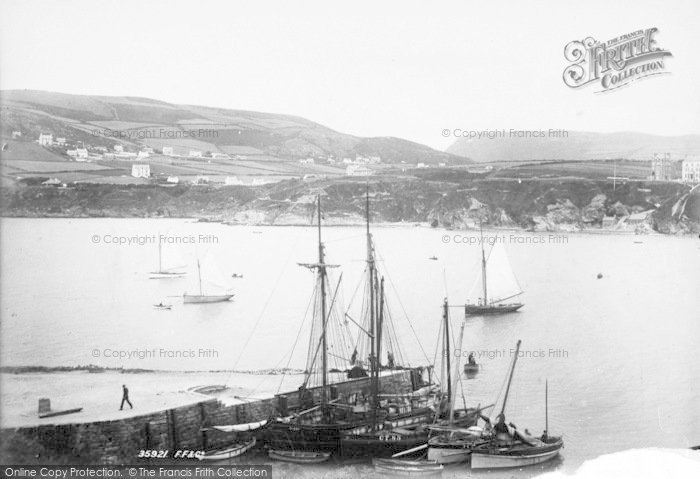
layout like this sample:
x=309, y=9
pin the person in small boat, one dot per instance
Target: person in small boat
x=125, y=397
x=471, y=360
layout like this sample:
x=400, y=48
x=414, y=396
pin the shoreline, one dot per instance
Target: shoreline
x=329, y=223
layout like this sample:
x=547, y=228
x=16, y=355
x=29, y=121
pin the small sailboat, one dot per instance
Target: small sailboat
x=201, y=297
x=505, y=446
x=498, y=284
x=452, y=441
x=164, y=271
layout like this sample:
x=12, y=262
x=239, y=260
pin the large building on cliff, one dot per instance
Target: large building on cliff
x=663, y=168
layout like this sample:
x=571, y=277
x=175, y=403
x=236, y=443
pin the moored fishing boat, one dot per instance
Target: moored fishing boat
x=323, y=423
x=524, y=452
x=299, y=457
x=228, y=452
x=504, y=446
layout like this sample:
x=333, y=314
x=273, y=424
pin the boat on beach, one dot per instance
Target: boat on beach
x=498, y=284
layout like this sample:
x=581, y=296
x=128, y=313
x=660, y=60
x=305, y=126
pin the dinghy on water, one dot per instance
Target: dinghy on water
x=299, y=457
x=163, y=306
x=228, y=452
x=406, y=468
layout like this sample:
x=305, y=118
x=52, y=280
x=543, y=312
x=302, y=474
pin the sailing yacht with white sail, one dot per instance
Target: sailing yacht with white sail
x=215, y=293
x=496, y=284
x=169, y=265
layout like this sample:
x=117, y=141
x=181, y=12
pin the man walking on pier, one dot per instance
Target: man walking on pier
x=125, y=397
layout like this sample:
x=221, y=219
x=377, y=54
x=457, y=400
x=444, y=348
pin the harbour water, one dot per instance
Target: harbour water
x=620, y=353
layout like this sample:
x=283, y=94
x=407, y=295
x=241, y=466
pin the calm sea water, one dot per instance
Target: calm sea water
x=620, y=353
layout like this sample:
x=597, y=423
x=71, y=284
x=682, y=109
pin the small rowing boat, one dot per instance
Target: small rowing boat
x=299, y=457
x=228, y=452
x=400, y=467
x=162, y=306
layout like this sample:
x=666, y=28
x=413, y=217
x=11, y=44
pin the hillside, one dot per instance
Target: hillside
x=106, y=121
x=577, y=146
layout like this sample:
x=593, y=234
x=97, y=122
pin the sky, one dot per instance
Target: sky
x=370, y=68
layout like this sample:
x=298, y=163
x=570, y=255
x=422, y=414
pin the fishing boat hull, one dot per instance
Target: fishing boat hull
x=317, y=437
x=299, y=457
x=492, y=309
x=381, y=444
x=166, y=275
x=507, y=457
x=228, y=452
x=200, y=299
x=449, y=454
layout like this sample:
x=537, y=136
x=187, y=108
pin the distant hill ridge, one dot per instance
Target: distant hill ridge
x=275, y=135
x=578, y=145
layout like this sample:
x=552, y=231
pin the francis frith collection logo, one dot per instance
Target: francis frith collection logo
x=615, y=63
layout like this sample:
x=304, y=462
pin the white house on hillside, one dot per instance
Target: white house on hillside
x=46, y=140
x=358, y=170
x=169, y=151
x=140, y=171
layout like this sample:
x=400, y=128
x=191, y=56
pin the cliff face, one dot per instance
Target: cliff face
x=555, y=205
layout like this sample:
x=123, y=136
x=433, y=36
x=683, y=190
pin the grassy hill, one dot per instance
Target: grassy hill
x=105, y=121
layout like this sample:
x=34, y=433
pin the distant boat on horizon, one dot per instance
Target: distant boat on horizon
x=496, y=274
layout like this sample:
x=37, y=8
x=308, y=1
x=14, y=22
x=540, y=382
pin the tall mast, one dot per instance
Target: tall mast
x=510, y=376
x=446, y=319
x=372, y=310
x=546, y=406
x=483, y=264
x=199, y=274
x=453, y=400
x=380, y=321
x=160, y=256
x=322, y=279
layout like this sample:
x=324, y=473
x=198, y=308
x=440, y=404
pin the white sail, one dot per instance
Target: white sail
x=208, y=279
x=171, y=259
x=501, y=283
